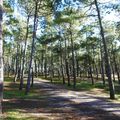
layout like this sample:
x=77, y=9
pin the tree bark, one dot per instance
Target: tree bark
x=16, y=63
x=102, y=66
x=108, y=69
x=24, y=54
x=73, y=59
x=32, y=49
x=116, y=68
x=67, y=64
x=45, y=64
x=1, y=52
x=61, y=62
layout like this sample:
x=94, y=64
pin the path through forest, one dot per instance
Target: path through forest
x=58, y=103
x=79, y=104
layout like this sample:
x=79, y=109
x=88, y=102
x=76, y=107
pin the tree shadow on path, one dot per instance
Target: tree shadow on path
x=51, y=102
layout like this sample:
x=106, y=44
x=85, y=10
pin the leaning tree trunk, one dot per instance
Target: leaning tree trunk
x=108, y=69
x=1, y=52
x=32, y=49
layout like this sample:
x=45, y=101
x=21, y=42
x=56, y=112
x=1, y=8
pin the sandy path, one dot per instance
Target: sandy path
x=83, y=105
x=54, y=102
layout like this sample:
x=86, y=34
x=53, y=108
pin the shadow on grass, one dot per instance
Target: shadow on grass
x=16, y=104
x=84, y=85
x=45, y=99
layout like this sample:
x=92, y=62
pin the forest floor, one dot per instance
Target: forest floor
x=48, y=101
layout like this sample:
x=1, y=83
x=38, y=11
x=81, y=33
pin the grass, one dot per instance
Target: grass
x=16, y=115
x=14, y=111
x=12, y=108
x=84, y=85
x=81, y=85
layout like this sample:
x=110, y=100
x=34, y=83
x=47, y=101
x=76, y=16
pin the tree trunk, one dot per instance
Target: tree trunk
x=61, y=62
x=113, y=72
x=51, y=66
x=90, y=71
x=116, y=68
x=42, y=62
x=102, y=65
x=32, y=83
x=111, y=85
x=36, y=72
x=32, y=49
x=24, y=54
x=16, y=64
x=73, y=59
x=1, y=52
x=20, y=63
x=102, y=73
x=45, y=64
x=66, y=63
x=77, y=64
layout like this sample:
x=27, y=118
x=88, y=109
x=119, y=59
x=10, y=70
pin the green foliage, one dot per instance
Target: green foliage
x=7, y=7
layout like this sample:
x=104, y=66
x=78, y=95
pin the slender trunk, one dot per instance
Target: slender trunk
x=95, y=66
x=24, y=54
x=67, y=65
x=61, y=62
x=45, y=65
x=102, y=66
x=42, y=62
x=96, y=72
x=111, y=85
x=20, y=63
x=17, y=64
x=8, y=74
x=32, y=49
x=12, y=66
x=32, y=83
x=77, y=64
x=35, y=62
x=90, y=71
x=59, y=75
x=113, y=72
x=116, y=68
x=73, y=58
x=1, y=52
x=51, y=68
x=38, y=67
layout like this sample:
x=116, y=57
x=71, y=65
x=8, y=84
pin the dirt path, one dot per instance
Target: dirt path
x=57, y=103
x=80, y=104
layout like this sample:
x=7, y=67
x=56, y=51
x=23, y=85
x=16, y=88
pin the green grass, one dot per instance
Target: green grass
x=84, y=85
x=16, y=115
x=8, y=79
x=11, y=91
x=81, y=85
